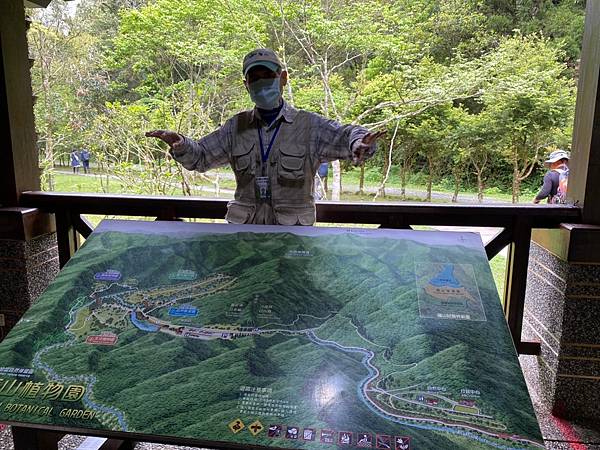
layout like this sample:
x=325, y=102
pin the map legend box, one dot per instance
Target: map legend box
x=448, y=291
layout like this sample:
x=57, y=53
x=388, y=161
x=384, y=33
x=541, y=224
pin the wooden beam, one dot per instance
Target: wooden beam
x=24, y=224
x=396, y=214
x=83, y=226
x=18, y=152
x=36, y=3
x=499, y=241
x=584, y=177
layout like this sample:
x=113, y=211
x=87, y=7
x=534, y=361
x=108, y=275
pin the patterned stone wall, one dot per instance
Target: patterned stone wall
x=562, y=312
x=26, y=269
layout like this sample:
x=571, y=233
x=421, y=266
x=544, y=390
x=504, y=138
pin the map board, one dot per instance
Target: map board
x=281, y=337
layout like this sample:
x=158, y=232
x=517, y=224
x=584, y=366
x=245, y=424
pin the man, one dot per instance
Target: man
x=85, y=159
x=321, y=181
x=555, y=180
x=273, y=149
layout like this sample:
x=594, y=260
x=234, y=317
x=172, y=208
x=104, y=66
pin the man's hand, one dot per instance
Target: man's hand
x=362, y=146
x=170, y=137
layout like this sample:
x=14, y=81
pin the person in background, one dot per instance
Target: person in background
x=85, y=160
x=321, y=182
x=274, y=149
x=555, y=180
x=75, y=161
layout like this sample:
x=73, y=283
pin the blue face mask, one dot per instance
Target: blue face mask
x=265, y=93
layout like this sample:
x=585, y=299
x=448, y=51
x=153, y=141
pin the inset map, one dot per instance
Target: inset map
x=448, y=291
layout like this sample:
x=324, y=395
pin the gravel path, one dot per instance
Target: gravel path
x=72, y=442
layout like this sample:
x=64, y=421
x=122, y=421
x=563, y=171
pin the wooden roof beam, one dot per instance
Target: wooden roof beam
x=38, y=3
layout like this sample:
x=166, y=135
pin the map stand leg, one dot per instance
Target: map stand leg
x=116, y=444
x=100, y=443
x=34, y=439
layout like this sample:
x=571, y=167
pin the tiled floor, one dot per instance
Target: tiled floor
x=71, y=442
x=558, y=434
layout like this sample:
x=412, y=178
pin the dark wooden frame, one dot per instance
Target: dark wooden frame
x=516, y=222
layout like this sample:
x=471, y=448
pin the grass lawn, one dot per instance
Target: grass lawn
x=85, y=183
x=64, y=182
x=102, y=184
x=498, y=266
x=350, y=182
x=416, y=183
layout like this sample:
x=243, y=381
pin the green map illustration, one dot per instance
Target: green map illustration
x=281, y=337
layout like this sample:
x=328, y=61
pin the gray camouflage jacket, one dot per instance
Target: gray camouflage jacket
x=304, y=140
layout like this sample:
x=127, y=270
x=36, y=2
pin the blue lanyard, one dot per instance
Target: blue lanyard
x=264, y=155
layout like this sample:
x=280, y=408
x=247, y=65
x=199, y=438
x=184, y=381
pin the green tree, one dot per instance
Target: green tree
x=476, y=149
x=119, y=66
x=56, y=46
x=432, y=137
x=330, y=55
x=529, y=100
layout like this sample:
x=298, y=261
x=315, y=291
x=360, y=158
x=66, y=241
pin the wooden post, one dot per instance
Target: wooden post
x=66, y=237
x=584, y=179
x=19, y=168
x=516, y=284
x=34, y=439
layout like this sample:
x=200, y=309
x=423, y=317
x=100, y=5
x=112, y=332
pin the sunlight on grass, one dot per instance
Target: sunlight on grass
x=498, y=266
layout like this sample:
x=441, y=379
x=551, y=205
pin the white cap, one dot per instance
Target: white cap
x=556, y=155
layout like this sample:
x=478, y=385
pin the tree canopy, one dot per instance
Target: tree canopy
x=474, y=91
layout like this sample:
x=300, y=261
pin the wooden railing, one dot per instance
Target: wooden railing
x=515, y=221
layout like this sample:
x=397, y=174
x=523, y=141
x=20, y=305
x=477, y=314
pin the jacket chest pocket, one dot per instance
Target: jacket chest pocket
x=242, y=160
x=290, y=166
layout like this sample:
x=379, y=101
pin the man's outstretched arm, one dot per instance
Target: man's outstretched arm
x=350, y=142
x=207, y=153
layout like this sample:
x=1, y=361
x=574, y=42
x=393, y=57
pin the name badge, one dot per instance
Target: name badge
x=263, y=188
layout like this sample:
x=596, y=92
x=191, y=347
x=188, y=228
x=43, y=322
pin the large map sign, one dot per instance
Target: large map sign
x=282, y=337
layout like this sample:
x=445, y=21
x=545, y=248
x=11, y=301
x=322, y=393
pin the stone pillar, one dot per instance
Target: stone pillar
x=28, y=261
x=562, y=312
